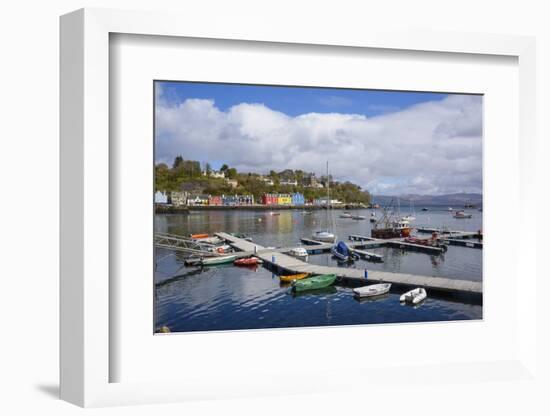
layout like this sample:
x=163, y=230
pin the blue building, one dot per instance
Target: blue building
x=298, y=199
x=229, y=200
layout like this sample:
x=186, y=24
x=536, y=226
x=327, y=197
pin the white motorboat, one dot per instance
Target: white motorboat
x=299, y=252
x=345, y=215
x=414, y=296
x=461, y=214
x=372, y=290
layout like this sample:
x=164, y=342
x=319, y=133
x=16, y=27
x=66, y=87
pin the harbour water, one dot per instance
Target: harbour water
x=231, y=298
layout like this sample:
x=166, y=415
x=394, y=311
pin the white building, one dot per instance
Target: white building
x=178, y=198
x=214, y=174
x=289, y=182
x=161, y=198
x=268, y=181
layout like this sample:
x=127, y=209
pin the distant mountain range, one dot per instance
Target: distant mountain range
x=450, y=200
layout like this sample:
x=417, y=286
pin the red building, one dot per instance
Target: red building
x=270, y=199
x=215, y=200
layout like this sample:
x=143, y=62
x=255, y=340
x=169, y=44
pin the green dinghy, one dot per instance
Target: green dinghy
x=214, y=261
x=315, y=282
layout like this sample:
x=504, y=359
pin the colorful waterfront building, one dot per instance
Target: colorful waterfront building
x=215, y=200
x=298, y=199
x=229, y=200
x=197, y=200
x=284, y=199
x=178, y=198
x=245, y=199
x=270, y=199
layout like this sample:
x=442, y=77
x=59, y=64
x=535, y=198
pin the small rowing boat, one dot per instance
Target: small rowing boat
x=214, y=261
x=311, y=283
x=249, y=261
x=372, y=290
x=289, y=278
x=414, y=296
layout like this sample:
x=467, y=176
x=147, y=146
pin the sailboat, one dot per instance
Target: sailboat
x=411, y=216
x=325, y=235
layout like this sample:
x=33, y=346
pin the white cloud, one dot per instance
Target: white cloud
x=433, y=147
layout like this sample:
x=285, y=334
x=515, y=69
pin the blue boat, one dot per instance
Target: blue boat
x=341, y=251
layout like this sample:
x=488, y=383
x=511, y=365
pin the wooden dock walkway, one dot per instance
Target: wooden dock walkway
x=394, y=242
x=314, y=245
x=462, y=242
x=283, y=263
x=450, y=233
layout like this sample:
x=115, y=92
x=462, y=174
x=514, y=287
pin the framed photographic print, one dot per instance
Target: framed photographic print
x=240, y=211
x=304, y=206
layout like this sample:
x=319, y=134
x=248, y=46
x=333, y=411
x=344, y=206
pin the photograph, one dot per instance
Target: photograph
x=307, y=206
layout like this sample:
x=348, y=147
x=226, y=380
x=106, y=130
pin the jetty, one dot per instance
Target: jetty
x=277, y=260
x=451, y=233
x=395, y=243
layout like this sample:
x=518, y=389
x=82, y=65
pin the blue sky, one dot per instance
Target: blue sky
x=388, y=142
x=295, y=101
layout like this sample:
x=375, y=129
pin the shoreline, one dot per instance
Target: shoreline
x=170, y=209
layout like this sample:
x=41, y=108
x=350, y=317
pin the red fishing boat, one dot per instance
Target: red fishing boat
x=390, y=226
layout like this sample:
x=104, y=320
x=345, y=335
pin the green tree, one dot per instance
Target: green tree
x=177, y=162
x=231, y=173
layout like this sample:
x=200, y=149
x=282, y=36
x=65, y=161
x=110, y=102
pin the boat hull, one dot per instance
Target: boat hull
x=372, y=290
x=292, y=277
x=312, y=283
x=339, y=256
x=214, y=261
x=414, y=296
x=252, y=261
x=324, y=237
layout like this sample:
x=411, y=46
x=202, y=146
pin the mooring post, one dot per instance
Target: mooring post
x=366, y=274
x=255, y=249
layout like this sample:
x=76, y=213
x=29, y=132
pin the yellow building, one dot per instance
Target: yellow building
x=284, y=199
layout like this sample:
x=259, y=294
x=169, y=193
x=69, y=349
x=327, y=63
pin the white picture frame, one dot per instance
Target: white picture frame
x=86, y=355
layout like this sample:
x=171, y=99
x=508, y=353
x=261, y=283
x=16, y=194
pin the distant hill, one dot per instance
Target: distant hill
x=449, y=200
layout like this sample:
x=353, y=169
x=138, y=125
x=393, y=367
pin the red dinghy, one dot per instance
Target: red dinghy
x=251, y=261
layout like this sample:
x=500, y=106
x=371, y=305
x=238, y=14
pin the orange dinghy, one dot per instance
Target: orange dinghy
x=251, y=261
x=204, y=235
x=291, y=277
